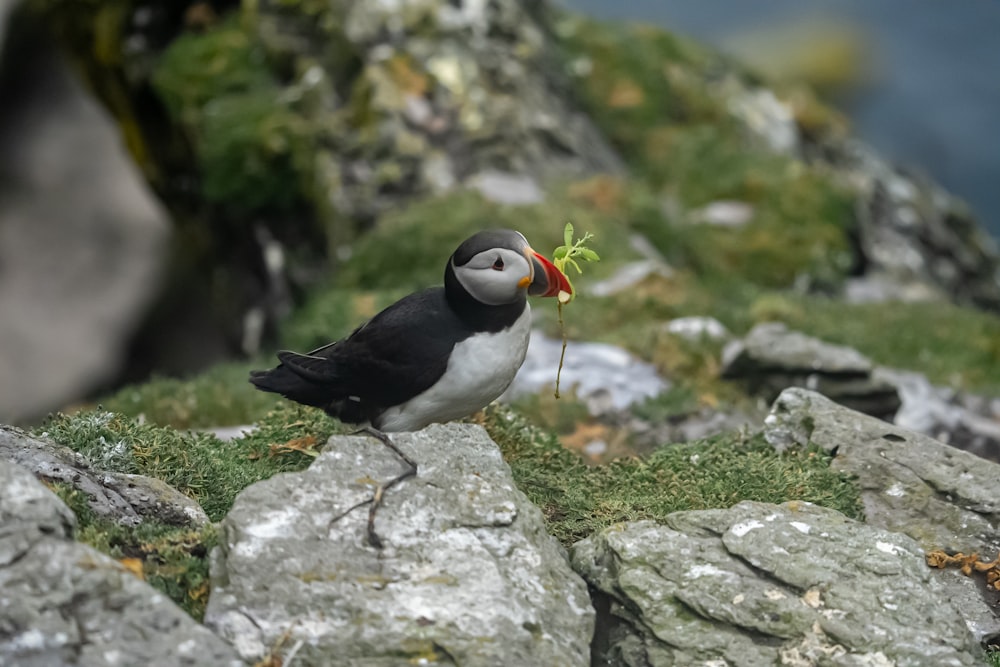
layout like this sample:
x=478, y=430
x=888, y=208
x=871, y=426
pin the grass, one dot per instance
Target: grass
x=172, y=559
x=220, y=396
x=577, y=499
x=197, y=464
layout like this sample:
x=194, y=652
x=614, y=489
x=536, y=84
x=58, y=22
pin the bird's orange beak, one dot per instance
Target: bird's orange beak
x=545, y=278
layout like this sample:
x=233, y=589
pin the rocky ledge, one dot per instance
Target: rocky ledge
x=469, y=575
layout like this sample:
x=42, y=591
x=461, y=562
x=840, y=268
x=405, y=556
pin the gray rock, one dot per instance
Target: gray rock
x=723, y=214
x=697, y=328
x=127, y=499
x=940, y=496
x=468, y=575
x=771, y=358
x=628, y=276
x=606, y=378
x=63, y=603
x=761, y=584
x=912, y=232
x=965, y=421
x=504, y=188
x=82, y=237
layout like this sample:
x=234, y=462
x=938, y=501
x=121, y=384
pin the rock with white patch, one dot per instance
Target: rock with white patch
x=63, y=603
x=772, y=357
x=467, y=576
x=605, y=377
x=761, y=584
x=942, y=497
x=120, y=497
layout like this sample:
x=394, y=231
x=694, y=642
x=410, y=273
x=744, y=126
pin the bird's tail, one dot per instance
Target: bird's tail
x=281, y=380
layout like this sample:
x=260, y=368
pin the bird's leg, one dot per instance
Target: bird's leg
x=373, y=538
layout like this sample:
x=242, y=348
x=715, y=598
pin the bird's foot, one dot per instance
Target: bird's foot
x=373, y=539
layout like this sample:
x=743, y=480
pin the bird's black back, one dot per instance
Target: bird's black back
x=398, y=354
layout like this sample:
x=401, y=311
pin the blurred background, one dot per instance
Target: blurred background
x=85, y=243
x=919, y=79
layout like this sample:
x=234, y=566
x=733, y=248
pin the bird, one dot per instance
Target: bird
x=439, y=354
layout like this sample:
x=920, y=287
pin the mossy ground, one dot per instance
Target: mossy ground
x=172, y=559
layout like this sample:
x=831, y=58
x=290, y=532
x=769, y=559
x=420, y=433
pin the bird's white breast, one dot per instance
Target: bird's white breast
x=479, y=369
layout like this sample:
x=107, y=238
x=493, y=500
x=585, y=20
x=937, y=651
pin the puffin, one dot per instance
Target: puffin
x=439, y=354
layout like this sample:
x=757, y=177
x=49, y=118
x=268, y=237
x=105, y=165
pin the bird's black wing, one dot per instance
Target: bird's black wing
x=396, y=355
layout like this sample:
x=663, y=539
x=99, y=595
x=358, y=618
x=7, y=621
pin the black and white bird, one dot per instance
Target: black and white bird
x=437, y=355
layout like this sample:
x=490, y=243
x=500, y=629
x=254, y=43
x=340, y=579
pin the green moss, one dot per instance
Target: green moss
x=715, y=473
x=220, y=396
x=993, y=657
x=951, y=344
x=197, y=464
x=253, y=148
x=332, y=313
x=638, y=81
x=410, y=246
x=174, y=559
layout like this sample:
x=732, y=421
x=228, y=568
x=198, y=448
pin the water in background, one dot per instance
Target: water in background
x=928, y=92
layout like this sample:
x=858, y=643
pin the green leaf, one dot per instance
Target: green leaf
x=589, y=255
x=572, y=262
x=560, y=252
x=568, y=234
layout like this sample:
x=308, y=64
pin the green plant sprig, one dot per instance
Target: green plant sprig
x=563, y=257
x=566, y=255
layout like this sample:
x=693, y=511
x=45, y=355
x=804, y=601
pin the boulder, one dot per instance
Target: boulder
x=76, y=221
x=940, y=496
x=762, y=584
x=123, y=498
x=467, y=575
x=771, y=358
x=63, y=603
x=963, y=420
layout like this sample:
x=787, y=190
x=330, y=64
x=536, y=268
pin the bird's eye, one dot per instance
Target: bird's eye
x=498, y=264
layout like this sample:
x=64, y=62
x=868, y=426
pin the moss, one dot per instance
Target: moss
x=174, y=560
x=253, y=148
x=332, y=313
x=715, y=473
x=951, y=344
x=410, y=246
x=197, y=464
x=220, y=396
x=637, y=81
x=993, y=657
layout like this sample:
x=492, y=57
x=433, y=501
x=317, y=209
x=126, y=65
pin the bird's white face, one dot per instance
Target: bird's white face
x=496, y=276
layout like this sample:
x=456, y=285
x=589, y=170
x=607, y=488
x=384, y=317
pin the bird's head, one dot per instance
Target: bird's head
x=498, y=267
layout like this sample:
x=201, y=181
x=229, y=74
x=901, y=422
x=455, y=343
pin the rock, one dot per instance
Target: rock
x=940, y=496
x=628, y=276
x=761, y=584
x=468, y=575
x=771, y=358
x=697, y=328
x=603, y=376
x=504, y=188
x=76, y=220
x=965, y=421
x=123, y=498
x=63, y=603
x=723, y=214
x=911, y=232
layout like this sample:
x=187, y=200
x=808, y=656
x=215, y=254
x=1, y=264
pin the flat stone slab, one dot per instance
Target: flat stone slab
x=468, y=575
x=762, y=585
